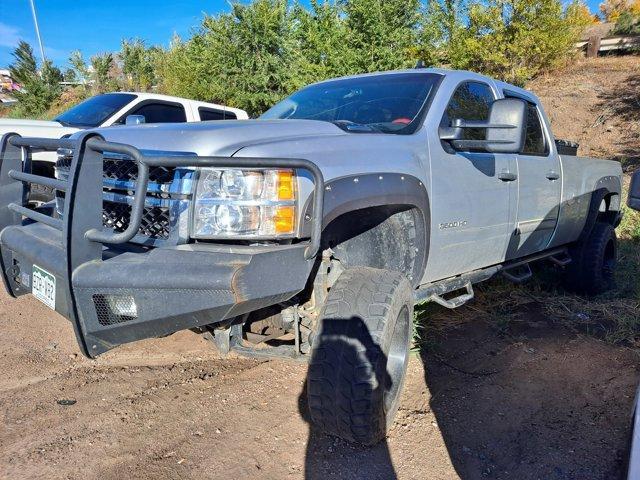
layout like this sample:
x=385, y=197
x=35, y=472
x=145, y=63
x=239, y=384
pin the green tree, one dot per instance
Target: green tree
x=79, y=66
x=40, y=88
x=137, y=64
x=514, y=40
x=627, y=24
x=101, y=66
x=382, y=34
x=443, y=32
x=69, y=75
x=245, y=58
x=322, y=42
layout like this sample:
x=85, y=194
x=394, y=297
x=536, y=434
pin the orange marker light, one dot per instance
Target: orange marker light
x=284, y=219
x=285, y=185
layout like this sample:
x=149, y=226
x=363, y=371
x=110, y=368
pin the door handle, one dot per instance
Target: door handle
x=553, y=175
x=507, y=176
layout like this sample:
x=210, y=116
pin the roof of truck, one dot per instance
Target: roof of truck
x=196, y=103
x=462, y=74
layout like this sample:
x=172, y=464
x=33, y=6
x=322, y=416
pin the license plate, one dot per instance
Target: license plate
x=43, y=286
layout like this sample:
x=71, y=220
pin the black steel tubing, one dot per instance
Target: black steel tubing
x=46, y=181
x=195, y=161
x=49, y=144
x=37, y=216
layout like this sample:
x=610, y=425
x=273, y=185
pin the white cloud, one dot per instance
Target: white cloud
x=9, y=35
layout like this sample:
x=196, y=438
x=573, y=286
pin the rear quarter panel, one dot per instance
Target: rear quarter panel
x=581, y=176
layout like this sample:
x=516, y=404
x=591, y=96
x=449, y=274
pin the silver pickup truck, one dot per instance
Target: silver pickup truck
x=310, y=232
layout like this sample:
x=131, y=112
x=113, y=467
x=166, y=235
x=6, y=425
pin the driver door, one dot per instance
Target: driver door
x=470, y=194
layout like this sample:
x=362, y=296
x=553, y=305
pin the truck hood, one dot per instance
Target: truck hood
x=221, y=138
x=35, y=128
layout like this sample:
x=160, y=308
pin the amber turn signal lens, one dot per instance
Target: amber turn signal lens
x=284, y=219
x=285, y=185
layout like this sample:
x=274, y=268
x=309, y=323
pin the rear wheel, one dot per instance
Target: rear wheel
x=360, y=354
x=594, y=261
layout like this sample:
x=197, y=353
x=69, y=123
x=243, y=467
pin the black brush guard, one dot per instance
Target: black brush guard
x=172, y=288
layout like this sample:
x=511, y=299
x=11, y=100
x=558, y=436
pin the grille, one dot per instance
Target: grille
x=105, y=309
x=124, y=170
x=155, y=220
x=127, y=171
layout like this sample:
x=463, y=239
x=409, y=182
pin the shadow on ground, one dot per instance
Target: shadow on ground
x=329, y=457
x=530, y=399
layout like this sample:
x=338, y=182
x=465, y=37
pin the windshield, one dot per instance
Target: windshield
x=385, y=103
x=95, y=110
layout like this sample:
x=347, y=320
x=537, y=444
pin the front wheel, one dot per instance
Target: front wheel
x=360, y=354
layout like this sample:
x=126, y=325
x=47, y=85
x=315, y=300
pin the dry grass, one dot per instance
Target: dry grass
x=613, y=316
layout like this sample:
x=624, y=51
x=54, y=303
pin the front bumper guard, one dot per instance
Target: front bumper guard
x=168, y=289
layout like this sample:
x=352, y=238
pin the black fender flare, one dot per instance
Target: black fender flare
x=356, y=192
x=603, y=188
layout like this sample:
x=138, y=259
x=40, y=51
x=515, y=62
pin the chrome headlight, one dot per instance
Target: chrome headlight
x=234, y=203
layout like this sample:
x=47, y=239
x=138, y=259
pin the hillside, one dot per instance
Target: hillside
x=596, y=102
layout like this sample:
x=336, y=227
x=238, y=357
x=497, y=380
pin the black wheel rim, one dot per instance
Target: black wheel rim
x=397, y=357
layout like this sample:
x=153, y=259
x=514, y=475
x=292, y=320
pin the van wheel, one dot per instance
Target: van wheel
x=360, y=353
x=594, y=262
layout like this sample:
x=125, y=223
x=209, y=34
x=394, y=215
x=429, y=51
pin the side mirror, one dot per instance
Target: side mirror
x=505, y=129
x=134, y=120
x=634, y=191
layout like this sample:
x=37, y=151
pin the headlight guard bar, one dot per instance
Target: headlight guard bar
x=84, y=185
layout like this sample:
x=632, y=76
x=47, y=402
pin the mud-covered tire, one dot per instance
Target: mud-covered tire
x=594, y=261
x=360, y=353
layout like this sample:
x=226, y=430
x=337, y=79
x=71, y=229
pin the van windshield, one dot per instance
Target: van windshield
x=386, y=103
x=95, y=110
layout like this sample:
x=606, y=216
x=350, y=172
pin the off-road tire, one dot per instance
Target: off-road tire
x=593, y=261
x=360, y=353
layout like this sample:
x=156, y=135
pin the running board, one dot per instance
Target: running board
x=562, y=259
x=518, y=274
x=456, y=301
x=434, y=292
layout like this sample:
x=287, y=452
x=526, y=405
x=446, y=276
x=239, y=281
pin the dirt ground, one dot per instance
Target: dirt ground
x=532, y=399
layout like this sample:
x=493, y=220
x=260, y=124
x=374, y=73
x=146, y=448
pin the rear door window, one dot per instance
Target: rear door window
x=207, y=114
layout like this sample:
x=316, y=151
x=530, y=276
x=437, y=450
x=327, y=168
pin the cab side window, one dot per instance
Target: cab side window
x=207, y=114
x=534, y=141
x=158, y=112
x=470, y=101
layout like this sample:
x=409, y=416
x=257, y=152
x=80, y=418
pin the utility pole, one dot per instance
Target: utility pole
x=35, y=22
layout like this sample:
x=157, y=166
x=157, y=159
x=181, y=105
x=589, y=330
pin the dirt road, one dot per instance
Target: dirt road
x=534, y=402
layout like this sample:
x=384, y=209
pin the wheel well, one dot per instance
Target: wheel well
x=609, y=208
x=391, y=237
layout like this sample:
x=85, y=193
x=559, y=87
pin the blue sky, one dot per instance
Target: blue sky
x=95, y=26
